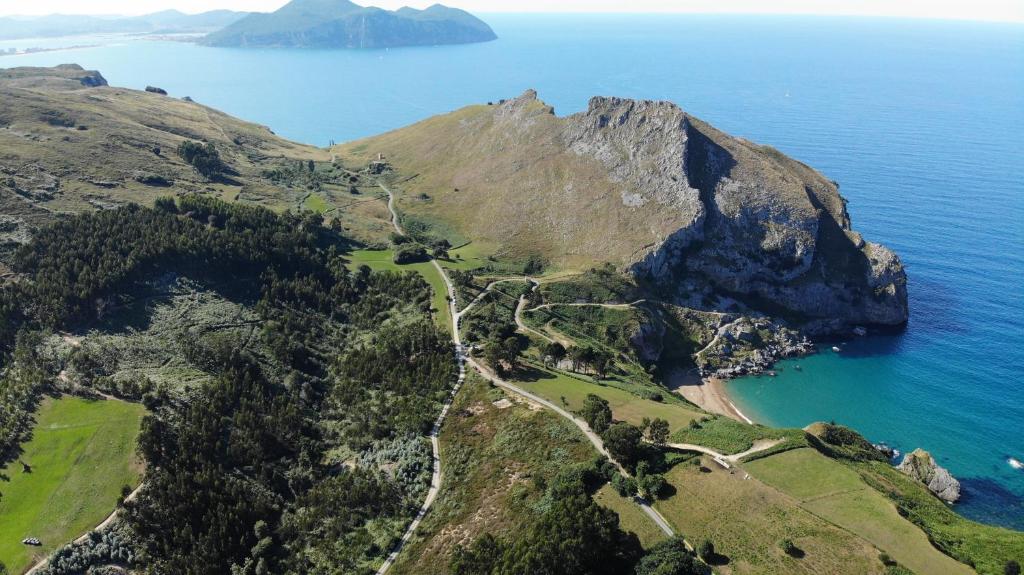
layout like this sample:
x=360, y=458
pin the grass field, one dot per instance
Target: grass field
x=625, y=405
x=747, y=520
x=631, y=517
x=835, y=492
x=380, y=260
x=730, y=436
x=82, y=452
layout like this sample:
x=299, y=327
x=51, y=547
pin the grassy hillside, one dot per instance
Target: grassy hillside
x=498, y=454
x=81, y=454
x=830, y=490
x=747, y=520
x=68, y=147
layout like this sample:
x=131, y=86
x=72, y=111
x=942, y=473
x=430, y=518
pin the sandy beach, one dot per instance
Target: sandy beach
x=707, y=393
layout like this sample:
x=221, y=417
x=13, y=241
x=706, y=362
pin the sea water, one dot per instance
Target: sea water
x=921, y=122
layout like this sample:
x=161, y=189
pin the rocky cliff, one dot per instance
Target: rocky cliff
x=920, y=465
x=720, y=222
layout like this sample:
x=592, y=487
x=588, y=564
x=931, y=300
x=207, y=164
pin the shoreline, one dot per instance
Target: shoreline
x=707, y=393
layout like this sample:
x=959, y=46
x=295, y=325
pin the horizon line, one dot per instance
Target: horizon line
x=580, y=13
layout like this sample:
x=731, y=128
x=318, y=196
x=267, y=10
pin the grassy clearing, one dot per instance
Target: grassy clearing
x=631, y=517
x=730, y=436
x=987, y=547
x=835, y=492
x=570, y=393
x=381, y=260
x=316, y=203
x=496, y=462
x=747, y=520
x=82, y=452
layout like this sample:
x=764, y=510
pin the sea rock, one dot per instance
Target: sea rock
x=920, y=465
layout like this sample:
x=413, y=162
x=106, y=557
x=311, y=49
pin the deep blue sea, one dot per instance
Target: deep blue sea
x=921, y=122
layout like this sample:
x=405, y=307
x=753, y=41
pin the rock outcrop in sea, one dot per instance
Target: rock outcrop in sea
x=920, y=465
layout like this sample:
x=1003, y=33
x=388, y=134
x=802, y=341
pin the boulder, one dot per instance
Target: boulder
x=920, y=465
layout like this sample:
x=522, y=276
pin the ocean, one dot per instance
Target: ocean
x=921, y=122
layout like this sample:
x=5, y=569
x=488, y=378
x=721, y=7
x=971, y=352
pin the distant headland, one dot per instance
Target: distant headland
x=344, y=24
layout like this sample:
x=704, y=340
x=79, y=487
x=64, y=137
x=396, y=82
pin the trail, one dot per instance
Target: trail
x=463, y=359
x=435, y=444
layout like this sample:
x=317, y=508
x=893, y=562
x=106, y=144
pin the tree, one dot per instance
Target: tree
x=311, y=166
x=623, y=442
x=790, y=548
x=441, y=248
x=165, y=204
x=554, y=352
x=410, y=253
x=596, y=412
x=479, y=558
x=624, y=486
x=205, y=159
x=670, y=557
x=510, y=349
x=658, y=431
x=706, y=550
x=651, y=486
x=601, y=361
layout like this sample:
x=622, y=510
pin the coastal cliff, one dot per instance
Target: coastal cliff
x=714, y=221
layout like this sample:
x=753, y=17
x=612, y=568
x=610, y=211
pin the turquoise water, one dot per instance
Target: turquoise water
x=922, y=123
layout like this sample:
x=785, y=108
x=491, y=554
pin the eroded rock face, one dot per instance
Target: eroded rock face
x=920, y=465
x=751, y=221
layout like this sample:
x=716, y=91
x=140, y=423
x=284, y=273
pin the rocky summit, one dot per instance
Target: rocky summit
x=716, y=221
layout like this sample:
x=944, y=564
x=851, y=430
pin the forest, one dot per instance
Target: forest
x=314, y=466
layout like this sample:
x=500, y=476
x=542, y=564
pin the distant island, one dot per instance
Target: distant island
x=343, y=24
x=166, y=22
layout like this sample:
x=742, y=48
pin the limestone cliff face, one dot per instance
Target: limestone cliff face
x=656, y=191
x=751, y=221
x=920, y=465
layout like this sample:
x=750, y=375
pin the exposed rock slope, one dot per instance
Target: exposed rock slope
x=653, y=189
x=920, y=465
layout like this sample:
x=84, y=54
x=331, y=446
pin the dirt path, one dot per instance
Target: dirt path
x=460, y=358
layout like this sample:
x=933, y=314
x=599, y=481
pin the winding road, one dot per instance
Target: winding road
x=463, y=359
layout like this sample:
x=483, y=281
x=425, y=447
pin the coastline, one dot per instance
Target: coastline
x=708, y=393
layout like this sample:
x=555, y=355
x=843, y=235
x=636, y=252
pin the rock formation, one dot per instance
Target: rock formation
x=920, y=465
x=721, y=223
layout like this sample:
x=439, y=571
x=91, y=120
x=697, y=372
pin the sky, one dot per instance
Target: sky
x=998, y=10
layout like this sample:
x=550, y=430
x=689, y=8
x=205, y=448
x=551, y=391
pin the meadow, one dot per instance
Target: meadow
x=833, y=491
x=81, y=454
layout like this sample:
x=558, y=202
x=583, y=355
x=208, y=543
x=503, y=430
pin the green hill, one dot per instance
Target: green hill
x=343, y=24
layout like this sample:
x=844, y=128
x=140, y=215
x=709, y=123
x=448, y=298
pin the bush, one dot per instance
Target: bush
x=1011, y=568
x=205, y=159
x=706, y=550
x=410, y=253
x=790, y=548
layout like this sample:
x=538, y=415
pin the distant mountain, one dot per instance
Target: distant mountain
x=343, y=24
x=169, y=21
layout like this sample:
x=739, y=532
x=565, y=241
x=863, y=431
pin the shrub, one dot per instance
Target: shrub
x=706, y=550
x=790, y=548
x=205, y=159
x=1011, y=568
x=410, y=253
